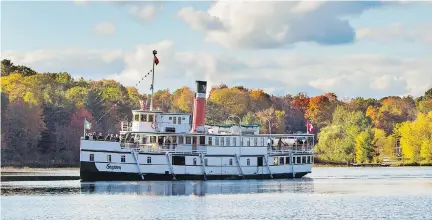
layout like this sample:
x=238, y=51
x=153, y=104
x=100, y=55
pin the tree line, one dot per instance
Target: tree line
x=42, y=118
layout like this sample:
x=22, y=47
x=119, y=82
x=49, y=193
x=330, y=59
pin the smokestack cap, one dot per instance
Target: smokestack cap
x=201, y=86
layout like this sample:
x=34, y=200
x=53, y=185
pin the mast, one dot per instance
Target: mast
x=152, y=85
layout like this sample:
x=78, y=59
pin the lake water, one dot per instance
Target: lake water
x=327, y=193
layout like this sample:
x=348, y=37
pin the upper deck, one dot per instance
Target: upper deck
x=218, y=143
x=157, y=121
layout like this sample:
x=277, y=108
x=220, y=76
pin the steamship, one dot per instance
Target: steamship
x=158, y=145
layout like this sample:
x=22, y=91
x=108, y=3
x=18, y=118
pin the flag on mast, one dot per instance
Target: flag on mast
x=87, y=125
x=309, y=127
x=156, y=60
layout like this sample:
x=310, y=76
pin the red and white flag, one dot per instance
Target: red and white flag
x=156, y=60
x=310, y=127
x=142, y=106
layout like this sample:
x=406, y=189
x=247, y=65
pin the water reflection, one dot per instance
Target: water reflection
x=199, y=188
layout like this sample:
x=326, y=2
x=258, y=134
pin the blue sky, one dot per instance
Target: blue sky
x=368, y=49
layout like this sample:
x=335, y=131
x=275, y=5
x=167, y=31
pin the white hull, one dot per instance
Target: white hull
x=222, y=163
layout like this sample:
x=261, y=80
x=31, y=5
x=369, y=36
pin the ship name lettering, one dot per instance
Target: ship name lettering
x=113, y=167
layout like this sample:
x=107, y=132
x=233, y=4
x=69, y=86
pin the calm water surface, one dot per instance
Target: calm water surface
x=327, y=193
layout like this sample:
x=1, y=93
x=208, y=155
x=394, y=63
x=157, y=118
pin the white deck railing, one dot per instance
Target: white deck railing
x=177, y=149
x=187, y=149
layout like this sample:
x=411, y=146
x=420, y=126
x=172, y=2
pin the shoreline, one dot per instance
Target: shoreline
x=319, y=165
x=25, y=168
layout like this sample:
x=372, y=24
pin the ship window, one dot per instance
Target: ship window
x=221, y=141
x=298, y=160
x=248, y=141
x=227, y=141
x=206, y=162
x=234, y=141
x=282, y=160
x=150, y=118
x=216, y=141
x=109, y=158
x=275, y=161
x=123, y=158
x=230, y=162
x=136, y=117
x=248, y=162
x=308, y=159
x=183, y=118
x=180, y=140
x=304, y=159
x=152, y=139
x=256, y=142
x=172, y=139
x=148, y=160
x=144, y=117
x=179, y=120
x=170, y=118
x=210, y=139
x=194, y=161
x=174, y=120
x=91, y=157
x=188, y=140
x=288, y=160
x=202, y=140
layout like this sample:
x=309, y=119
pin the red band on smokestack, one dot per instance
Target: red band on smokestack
x=199, y=105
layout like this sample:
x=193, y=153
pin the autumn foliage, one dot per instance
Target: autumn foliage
x=42, y=118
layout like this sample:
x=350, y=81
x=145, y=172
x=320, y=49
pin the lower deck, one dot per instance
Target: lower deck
x=133, y=165
x=89, y=172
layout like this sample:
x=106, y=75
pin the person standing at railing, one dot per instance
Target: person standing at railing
x=280, y=143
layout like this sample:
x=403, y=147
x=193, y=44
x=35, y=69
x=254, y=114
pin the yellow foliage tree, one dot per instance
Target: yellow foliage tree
x=234, y=100
x=259, y=99
x=363, y=147
x=183, y=99
x=77, y=95
x=416, y=139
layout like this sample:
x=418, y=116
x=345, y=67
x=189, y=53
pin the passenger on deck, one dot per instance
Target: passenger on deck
x=86, y=137
x=117, y=138
x=94, y=136
x=112, y=137
x=100, y=137
x=132, y=140
x=108, y=137
x=280, y=143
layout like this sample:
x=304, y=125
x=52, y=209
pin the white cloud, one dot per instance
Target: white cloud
x=421, y=32
x=144, y=12
x=77, y=61
x=104, y=28
x=284, y=72
x=268, y=24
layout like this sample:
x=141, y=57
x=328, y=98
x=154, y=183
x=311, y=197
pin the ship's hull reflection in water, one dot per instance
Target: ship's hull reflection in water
x=199, y=188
